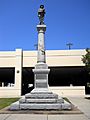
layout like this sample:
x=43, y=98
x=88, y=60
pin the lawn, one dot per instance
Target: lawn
x=4, y=102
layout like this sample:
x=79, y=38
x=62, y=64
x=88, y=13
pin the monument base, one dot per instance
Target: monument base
x=41, y=100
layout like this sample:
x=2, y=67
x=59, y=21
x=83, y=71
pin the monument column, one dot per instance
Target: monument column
x=41, y=48
x=41, y=68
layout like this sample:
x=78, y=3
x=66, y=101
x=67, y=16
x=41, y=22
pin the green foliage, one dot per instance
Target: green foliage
x=4, y=102
x=86, y=58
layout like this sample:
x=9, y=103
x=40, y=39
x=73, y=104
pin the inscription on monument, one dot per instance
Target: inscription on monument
x=41, y=76
x=41, y=85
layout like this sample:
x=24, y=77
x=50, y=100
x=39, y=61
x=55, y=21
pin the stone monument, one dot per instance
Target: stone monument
x=40, y=97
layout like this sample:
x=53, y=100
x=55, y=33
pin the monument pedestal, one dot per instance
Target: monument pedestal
x=40, y=97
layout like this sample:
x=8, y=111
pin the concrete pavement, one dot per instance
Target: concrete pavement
x=80, y=102
x=83, y=105
x=42, y=117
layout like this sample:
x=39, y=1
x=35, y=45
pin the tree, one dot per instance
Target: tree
x=86, y=59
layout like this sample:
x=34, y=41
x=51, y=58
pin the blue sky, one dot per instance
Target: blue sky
x=66, y=20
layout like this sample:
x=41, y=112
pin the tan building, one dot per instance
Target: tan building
x=68, y=75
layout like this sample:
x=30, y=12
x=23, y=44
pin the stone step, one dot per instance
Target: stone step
x=41, y=96
x=40, y=106
x=24, y=100
x=41, y=100
x=40, y=92
x=44, y=100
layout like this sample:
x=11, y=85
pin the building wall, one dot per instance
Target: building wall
x=7, y=59
x=55, y=58
x=19, y=59
x=68, y=91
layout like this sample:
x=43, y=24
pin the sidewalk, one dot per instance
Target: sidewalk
x=41, y=117
x=83, y=105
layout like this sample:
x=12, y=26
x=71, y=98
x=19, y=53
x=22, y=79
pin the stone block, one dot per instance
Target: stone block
x=66, y=105
x=15, y=106
x=41, y=101
x=40, y=106
x=60, y=101
x=41, y=66
x=41, y=96
x=22, y=100
x=40, y=91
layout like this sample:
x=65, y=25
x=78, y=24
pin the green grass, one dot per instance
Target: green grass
x=66, y=99
x=4, y=102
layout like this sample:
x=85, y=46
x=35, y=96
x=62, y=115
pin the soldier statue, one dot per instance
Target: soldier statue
x=41, y=13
